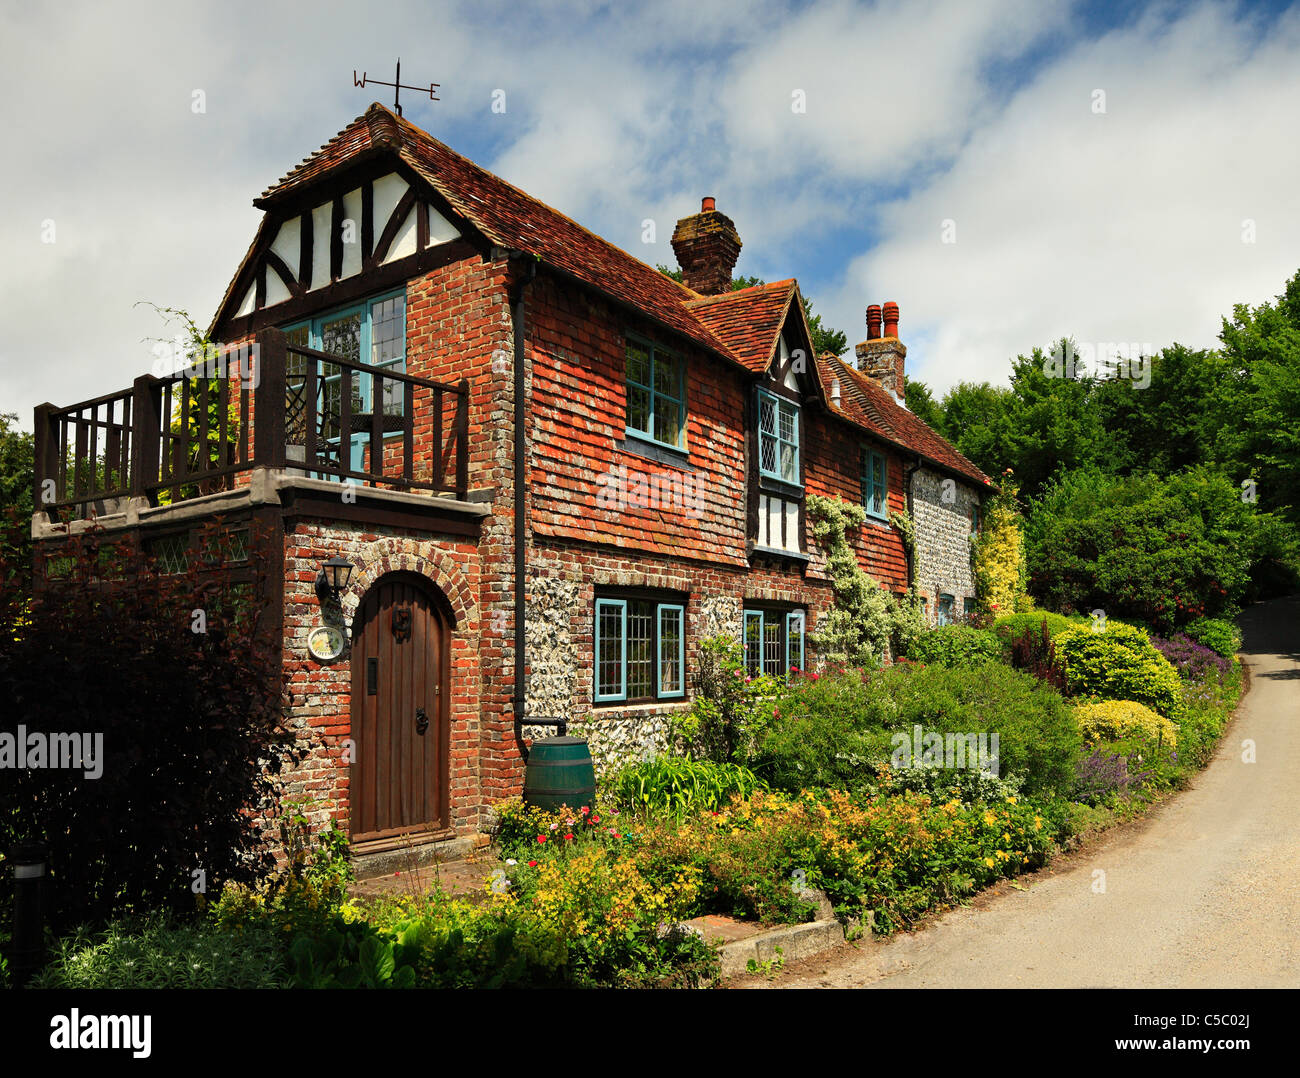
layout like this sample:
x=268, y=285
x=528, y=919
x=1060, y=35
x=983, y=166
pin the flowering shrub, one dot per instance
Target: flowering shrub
x=1192, y=660
x=1102, y=774
x=1115, y=720
x=1119, y=664
x=727, y=707
x=999, y=553
x=838, y=730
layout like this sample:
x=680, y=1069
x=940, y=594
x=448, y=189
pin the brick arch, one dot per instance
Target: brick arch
x=386, y=556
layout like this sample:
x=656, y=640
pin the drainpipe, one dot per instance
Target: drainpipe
x=907, y=493
x=520, y=480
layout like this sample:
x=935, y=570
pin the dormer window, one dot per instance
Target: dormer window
x=656, y=394
x=778, y=438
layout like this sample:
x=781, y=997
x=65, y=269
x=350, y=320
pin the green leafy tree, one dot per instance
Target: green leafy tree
x=1261, y=394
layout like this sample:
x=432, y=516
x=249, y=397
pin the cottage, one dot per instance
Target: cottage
x=510, y=472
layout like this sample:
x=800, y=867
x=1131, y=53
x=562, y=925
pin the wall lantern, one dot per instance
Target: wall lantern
x=332, y=578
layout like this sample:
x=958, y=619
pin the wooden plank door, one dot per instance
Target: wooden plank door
x=399, y=680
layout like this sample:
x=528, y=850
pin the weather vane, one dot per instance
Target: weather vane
x=396, y=84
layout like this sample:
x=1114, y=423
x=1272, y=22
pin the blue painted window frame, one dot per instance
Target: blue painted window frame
x=945, y=609
x=774, y=435
x=871, y=488
x=315, y=339
x=656, y=351
x=784, y=620
x=660, y=609
x=621, y=606
x=792, y=619
x=680, y=611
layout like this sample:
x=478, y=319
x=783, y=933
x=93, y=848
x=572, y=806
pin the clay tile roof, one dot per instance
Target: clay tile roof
x=510, y=218
x=748, y=321
x=741, y=327
x=867, y=404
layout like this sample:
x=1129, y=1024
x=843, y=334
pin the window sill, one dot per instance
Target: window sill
x=769, y=484
x=879, y=522
x=657, y=451
x=601, y=706
x=757, y=551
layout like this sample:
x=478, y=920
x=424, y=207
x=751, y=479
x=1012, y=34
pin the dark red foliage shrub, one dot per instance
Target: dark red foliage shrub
x=1034, y=652
x=190, y=723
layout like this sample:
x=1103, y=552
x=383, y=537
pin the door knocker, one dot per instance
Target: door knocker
x=402, y=623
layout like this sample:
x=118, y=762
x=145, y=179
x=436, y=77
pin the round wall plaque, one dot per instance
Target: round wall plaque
x=326, y=643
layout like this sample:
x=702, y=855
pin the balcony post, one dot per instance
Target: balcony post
x=269, y=399
x=47, y=454
x=146, y=433
x=462, y=440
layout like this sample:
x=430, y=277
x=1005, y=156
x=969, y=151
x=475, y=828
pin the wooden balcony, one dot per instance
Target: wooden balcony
x=267, y=404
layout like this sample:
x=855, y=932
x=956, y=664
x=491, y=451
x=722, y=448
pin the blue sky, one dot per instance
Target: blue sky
x=1119, y=173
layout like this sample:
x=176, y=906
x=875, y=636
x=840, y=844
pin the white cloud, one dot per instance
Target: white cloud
x=1124, y=226
x=1117, y=227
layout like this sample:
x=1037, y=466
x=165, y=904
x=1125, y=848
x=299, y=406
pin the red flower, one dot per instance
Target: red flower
x=595, y=819
x=532, y=864
x=616, y=834
x=541, y=839
x=585, y=810
x=568, y=837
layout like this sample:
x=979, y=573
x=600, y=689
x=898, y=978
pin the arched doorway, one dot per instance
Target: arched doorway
x=401, y=686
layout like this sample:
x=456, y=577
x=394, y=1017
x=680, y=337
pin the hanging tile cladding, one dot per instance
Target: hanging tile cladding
x=578, y=411
x=833, y=468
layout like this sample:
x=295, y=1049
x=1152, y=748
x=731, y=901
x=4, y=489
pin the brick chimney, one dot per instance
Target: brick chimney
x=707, y=246
x=881, y=356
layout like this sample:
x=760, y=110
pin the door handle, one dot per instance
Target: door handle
x=421, y=720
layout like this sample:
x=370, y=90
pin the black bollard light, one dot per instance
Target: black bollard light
x=27, y=948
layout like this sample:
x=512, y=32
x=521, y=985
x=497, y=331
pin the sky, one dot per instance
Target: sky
x=1008, y=172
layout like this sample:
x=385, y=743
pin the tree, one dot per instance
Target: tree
x=921, y=403
x=1261, y=393
x=17, y=466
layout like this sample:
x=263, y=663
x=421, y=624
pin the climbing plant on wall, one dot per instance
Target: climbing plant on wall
x=866, y=624
x=999, y=554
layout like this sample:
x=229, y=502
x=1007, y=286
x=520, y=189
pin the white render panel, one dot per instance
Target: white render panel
x=275, y=289
x=791, y=525
x=320, y=246
x=249, y=299
x=404, y=242
x=288, y=244
x=440, y=229
x=351, y=251
x=387, y=192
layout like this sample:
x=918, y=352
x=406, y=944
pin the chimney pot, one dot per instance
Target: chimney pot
x=873, y=321
x=891, y=319
x=707, y=203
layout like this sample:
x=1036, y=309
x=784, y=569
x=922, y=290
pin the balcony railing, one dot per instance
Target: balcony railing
x=267, y=404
